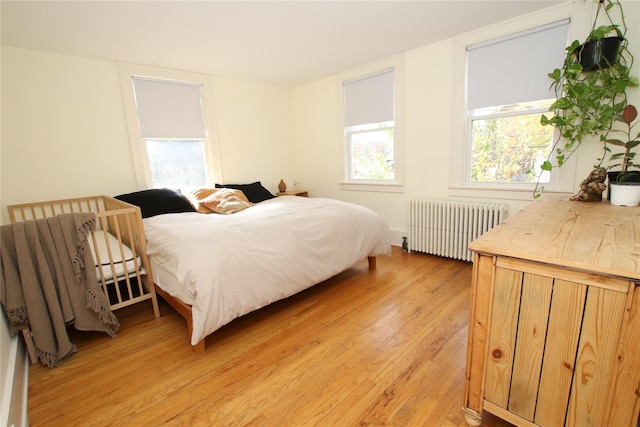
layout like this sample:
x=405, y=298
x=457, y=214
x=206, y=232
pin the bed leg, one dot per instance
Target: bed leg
x=372, y=262
x=198, y=348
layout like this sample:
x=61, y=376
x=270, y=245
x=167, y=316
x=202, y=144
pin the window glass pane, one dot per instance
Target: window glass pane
x=177, y=163
x=372, y=154
x=508, y=143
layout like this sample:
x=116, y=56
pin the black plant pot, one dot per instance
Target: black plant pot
x=599, y=53
x=630, y=176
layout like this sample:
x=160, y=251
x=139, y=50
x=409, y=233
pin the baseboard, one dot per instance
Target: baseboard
x=16, y=386
x=396, y=236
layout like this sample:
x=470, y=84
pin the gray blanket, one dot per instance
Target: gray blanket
x=48, y=281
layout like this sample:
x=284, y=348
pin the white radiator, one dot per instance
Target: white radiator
x=445, y=228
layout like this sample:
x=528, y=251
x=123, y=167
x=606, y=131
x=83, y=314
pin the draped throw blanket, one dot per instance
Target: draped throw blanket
x=49, y=281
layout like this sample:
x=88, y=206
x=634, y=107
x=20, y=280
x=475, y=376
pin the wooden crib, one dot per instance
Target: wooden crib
x=118, y=246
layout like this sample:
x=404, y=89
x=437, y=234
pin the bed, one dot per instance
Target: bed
x=118, y=247
x=213, y=268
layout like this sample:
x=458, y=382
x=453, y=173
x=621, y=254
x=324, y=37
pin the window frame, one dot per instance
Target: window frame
x=346, y=182
x=562, y=180
x=138, y=143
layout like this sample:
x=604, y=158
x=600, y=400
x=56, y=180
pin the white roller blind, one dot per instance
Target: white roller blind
x=514, y=69
x=369, y=100
x=169, y=109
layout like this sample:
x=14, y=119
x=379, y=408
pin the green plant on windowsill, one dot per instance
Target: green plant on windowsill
x=589, y=96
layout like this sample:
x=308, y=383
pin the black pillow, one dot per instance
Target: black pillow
x=158, y=201
x=255, y=192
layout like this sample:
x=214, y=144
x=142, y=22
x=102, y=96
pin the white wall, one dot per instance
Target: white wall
x=63, y=127
x=14, y=368
x=427, y=121
x=64, y=131
x=428, y=130
x=255, y=132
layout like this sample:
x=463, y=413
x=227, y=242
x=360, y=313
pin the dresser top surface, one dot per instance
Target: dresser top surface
x=596, y=237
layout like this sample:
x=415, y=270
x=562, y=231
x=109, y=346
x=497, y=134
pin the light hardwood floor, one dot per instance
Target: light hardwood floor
x=380, y=347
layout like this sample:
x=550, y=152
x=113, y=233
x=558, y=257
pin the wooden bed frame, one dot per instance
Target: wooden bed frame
x=185, y=309
x=122, y=221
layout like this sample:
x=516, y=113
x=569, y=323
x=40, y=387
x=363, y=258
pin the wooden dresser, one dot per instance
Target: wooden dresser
x=554, y=330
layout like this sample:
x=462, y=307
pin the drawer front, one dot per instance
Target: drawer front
x=552, y=346
x=624, y=408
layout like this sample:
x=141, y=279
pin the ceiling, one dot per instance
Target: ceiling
x=278, y=42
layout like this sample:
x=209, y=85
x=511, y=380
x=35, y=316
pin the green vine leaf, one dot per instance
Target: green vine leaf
x=615, y=142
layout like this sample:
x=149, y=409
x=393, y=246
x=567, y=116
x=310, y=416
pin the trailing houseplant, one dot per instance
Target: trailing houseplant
x=589, y=100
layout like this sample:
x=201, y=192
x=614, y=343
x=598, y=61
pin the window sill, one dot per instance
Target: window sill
x=383, y=188
x=502, y=193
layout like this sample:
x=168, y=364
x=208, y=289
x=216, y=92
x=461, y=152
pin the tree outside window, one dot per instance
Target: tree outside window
x=372, y=151
x=508, y=143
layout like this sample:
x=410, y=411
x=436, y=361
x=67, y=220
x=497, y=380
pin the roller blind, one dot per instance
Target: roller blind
x=369, y=100
x=169, y=109
x=514, y=69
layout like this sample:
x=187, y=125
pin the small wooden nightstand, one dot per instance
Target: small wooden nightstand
x=301, y=193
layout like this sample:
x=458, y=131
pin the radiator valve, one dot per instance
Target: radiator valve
x=405, y=244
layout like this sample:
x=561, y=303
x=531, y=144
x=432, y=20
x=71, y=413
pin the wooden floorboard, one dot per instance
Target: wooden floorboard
x=365, y=348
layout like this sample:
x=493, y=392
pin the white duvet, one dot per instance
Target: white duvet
x=230, y=265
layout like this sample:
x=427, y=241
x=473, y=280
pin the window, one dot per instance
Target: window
x=507, y=92
x=372, y=131
x=502, y=91
x=168, y=127
x=172, y=126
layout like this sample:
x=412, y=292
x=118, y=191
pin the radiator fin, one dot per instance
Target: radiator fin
x=445, y=228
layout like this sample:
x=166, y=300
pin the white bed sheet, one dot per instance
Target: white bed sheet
x=230, y=265
x=169, y=283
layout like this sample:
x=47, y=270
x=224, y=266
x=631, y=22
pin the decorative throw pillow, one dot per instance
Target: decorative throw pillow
x=225, y=201
x=196, y=197
x=255, y=192
x=157, y=201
